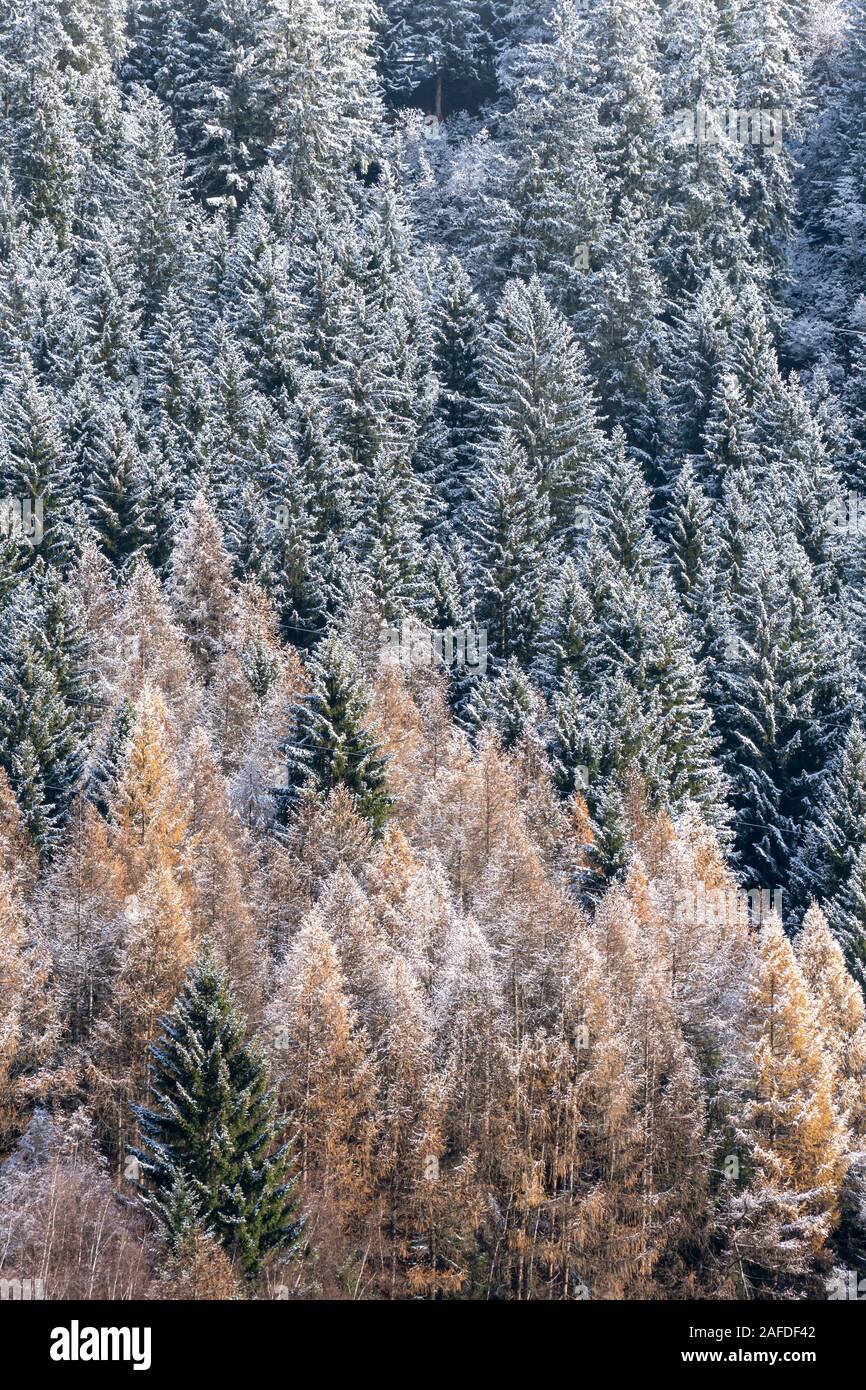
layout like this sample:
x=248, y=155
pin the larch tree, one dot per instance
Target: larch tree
x=791, y=1130
x=13, y=969
x=149, y=812
x=325, y=1073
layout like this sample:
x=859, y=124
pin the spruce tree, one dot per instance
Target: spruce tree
x=115, y=489
x=108, y=757
x=458, y=326
x=210, y=1134
x=566, y=634
x=442, y=41
x=44, y=704
x=34, y=466
x=847, y=913
x=837, y=823
x=334, y=743
x=511, y=561
x=693, y=548
x=536, y=385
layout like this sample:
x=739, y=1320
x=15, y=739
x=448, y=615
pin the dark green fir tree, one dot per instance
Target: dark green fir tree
x=210, y=1140
x=334, y=744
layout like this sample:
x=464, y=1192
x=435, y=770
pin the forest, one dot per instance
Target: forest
x=432, y=649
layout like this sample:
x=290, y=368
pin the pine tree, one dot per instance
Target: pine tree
x=621, y=75
x=263, y=305
x=153, y=650
x=109, y=756
x=841, y=1013
x=111, y=297
x=694, y=548
x=34, y=467
x=566, y=636
x=729, y=437
x=509, y=703
x=470, y=1030
x=770, y=77
x=13, y=968
x=782, y=695
x=390, y=547
x=153, y=184
x=847, y=910
x=701, y=228
x=211, y=1130
x=82, y=914
x=620, y=321
x=218, y=909
x=699, y=347
x=552, y=202
x=46, y=153
x=326, y=95
x=148, y=811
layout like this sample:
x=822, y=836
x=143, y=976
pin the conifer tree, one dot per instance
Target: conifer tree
x=442, y=44
x=511, y=528
x=699, y=348
x=82, y=914
x=109, y=756
x=211, y=1127
x=791, y=1129
x=837, y=823
x=458, y=328
x=148, y=810
x=325, y=1070
x=693, y=544
x=12, y=972
x=153, y=183
x=42, y=714
x=326, y=95
x=536, y=385
x=114, y=491
x=841, y=1013
x=618, y=504
x=111, y=297
x=552, y=203
x=202, y=585
x=334, y=743
x=847, y=911
x=566, y=635
x=33, y=463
